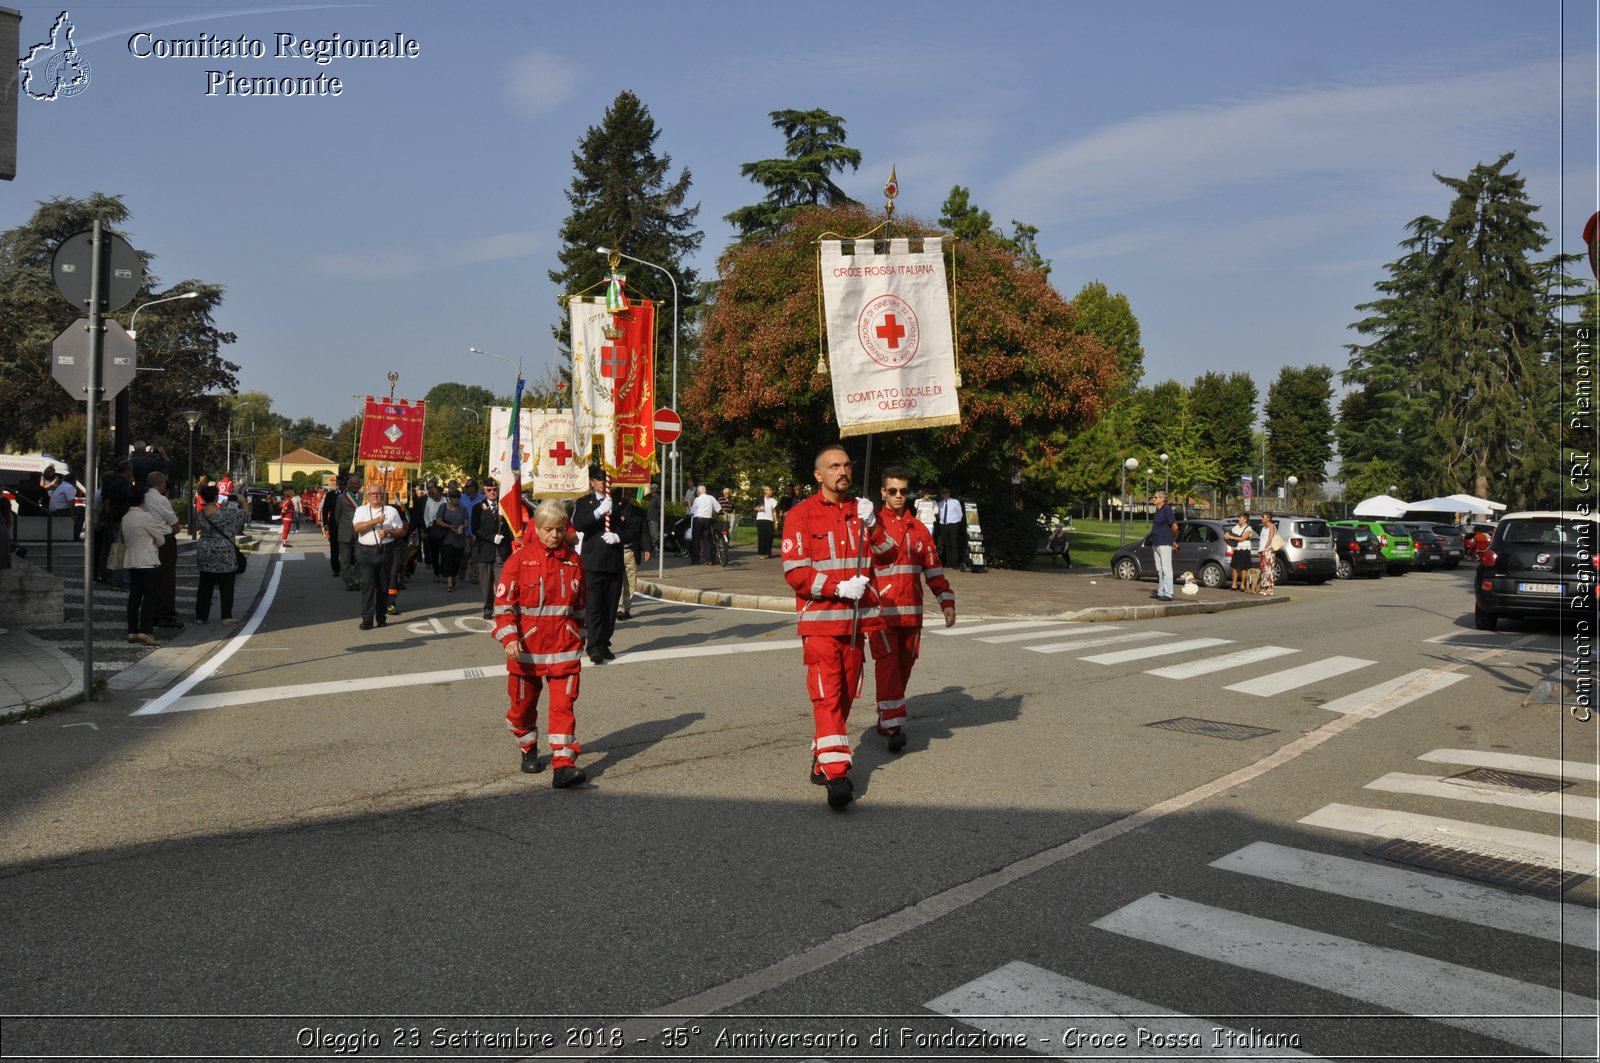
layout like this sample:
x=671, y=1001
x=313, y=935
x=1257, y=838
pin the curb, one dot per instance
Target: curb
x=770, y=603
x=70, y=694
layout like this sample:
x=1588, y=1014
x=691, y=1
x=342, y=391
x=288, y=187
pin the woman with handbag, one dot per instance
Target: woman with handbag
x=1271, y=543
x=215, y=555
x=142, y=535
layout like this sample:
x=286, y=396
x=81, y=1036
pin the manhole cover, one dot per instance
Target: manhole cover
x=1510, y=780
x=1483, y=863
x=1233, y=732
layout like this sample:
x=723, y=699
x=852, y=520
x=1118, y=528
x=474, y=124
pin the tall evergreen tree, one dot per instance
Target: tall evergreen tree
x=1457, y=383
x=814, y=150
x=1300, y=424
x=622, y=198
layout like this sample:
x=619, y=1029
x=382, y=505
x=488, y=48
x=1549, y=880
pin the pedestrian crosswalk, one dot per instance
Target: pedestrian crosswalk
x=1529, y=1003
x=1215, y=656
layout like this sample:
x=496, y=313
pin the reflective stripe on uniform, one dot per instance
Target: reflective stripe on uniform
x=543, y=610
x=901, y=610
x=561, y=740
x=790, y=566
x=933, y=573
x=829, y=614
x=818, y=584
x=549, y=658
x=500, y=633
x=834, y=758
x=898, y=570
x=948, y=596
x=830, y=740
x=894, y=703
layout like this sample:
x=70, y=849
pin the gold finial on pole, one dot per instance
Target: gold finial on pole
x=891, y=189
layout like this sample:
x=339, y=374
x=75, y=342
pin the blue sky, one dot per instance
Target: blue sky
x=1242, y=170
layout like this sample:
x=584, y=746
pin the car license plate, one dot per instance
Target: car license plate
x=1539, y=588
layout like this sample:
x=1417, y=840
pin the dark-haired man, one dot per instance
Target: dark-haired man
x=602, y=564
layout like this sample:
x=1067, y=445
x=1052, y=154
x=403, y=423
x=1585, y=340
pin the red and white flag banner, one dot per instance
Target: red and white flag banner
x=391, y=431
x=891, y=349
x=552, y=466
x=613, y=386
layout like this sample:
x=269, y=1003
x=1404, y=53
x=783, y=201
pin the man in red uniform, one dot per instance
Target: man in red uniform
x=286, y=515
x=826, y=544
x=538, y=619
x=896, y=635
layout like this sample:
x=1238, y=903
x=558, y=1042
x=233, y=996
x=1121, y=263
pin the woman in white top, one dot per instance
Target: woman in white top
x=928, y=509
x=1239, y=537
x=766, y=510
x=142, y=535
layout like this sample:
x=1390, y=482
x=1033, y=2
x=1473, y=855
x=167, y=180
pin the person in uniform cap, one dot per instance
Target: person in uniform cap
x=602, y=564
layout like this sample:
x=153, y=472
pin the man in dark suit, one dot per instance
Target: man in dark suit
x=344, y=514
x=329, y=519
x=602, y=565
x=492, y=540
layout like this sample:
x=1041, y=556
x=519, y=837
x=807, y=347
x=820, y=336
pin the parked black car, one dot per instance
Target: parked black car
x=1539, y=565
x=1201, y=550
x=1357, y=553
x=1427, y=548
x=1454, y=543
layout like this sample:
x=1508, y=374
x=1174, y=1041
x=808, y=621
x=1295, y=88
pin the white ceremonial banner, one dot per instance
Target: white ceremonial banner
x=552, y=466
x=594, y=406
x=890, y=346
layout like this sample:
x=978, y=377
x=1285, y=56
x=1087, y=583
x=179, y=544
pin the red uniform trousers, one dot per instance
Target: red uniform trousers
x=523, y=716
x=894, y=652
x=833, y=679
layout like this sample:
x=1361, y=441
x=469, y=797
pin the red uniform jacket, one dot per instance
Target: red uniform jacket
x=538, y=604
x=821, y=541
x=899, y=583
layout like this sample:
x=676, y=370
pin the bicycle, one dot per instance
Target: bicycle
x=719, y=546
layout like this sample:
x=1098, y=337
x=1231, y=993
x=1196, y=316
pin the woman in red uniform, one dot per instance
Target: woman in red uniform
x=286, y=515
x=538, y=619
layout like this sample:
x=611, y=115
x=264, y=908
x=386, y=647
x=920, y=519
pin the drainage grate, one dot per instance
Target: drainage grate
x=1233, y=732
x=1484, y=863
x=1510, y=780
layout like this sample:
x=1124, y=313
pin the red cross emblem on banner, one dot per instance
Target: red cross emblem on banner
x=888, y=331
x=891, y=330
x=561, y=452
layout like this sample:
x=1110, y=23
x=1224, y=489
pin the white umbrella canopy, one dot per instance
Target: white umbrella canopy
x=1474, y=504
x=1381, y=506
x=1445, y=504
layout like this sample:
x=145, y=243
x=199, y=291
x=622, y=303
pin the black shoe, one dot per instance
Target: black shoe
x=530, y=761
x=352, y=586
x=170, y=625
x=382, y=622
x=568, y=776
x=624, y=616
x=595, y=658
x=607, y=654
x=488, y=615
x=841, y=792
x=366, y=625
x=1163, y=597
x=896, y=738
x=1155, y=595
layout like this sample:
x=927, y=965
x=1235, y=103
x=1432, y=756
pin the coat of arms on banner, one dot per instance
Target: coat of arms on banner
x=891, y=348
x=613, y=384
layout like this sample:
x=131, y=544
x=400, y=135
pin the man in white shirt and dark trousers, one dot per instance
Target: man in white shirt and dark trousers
x=952, y=531
x=377, y=528
x=702, y=524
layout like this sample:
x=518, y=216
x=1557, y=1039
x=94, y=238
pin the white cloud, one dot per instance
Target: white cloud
x=369, y=265
x=1359, y=132
x=495, y=248
x=378, y=264
x=539, y=82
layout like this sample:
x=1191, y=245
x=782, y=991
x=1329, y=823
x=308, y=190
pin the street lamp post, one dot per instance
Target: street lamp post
x=1292, y=481
x=1127, y=466
x=673, y=451
x=122, y=407
x=1166, y=463
x=193, y=417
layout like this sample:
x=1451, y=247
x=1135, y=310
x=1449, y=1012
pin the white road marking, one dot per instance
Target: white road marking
x=924, y=911
x=1576, y=770
x=1448, y=898
x=1395, y=692
x=228, y=698
x=1123, y=656
x=1109, y=640
x=984, y=629
x=1555, y=804
x=1005, y=1000
x=1484, y=1003
x=1051, y=632
x=1221, y=664
x=1290, y=678
x=1545, y=850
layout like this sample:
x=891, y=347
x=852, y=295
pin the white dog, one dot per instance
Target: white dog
x=1190, y=587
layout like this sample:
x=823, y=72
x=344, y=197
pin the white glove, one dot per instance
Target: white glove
x=867, y=512
x=852, y=589
x=611, y=538
x=497, y=539
x=604, y=507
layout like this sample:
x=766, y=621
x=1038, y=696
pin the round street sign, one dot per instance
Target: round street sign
x=123, y=277
x=669, y=426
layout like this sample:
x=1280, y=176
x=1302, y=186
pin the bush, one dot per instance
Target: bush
x=1010, y=536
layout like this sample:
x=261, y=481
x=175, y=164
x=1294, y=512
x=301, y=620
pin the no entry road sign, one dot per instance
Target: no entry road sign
x=669, y=426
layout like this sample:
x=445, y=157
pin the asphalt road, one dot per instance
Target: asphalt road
x=330, y=831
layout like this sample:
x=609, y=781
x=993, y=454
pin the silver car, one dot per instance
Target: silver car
x=1307, y=553
x=1201, y=550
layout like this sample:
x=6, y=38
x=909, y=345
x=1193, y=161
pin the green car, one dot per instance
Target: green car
x=1394, y=541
